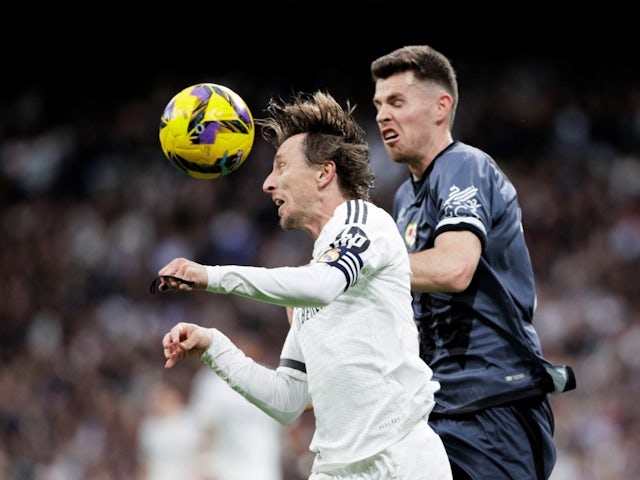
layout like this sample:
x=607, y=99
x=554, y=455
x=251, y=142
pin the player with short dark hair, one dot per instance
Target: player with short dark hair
x=352, y=348
x=474, y=288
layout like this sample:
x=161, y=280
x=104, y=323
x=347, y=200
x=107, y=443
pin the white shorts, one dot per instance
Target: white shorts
x=418, y=456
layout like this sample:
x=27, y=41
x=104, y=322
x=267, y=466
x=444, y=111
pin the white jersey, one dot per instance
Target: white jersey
x=352, y=349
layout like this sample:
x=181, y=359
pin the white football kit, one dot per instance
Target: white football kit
x=351, y=351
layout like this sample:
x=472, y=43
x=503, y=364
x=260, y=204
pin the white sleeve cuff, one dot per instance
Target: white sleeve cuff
x=213, y=279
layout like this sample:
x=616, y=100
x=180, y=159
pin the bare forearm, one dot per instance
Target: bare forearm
x=447, y=267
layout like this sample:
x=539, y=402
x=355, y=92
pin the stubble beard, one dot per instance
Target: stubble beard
x=293, y=221
x=287, y=223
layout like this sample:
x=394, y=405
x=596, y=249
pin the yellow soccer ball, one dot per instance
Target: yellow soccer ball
x=206, y=131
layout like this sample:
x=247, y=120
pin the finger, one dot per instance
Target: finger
x=169, y=352
x=164, y=283
x=172, y=337
x=167, y=340
x=171, y=344
x=169, y=347
x=172, y=354
x=170, y=362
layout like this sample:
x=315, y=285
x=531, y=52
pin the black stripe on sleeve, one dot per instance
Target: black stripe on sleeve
x=296, y=365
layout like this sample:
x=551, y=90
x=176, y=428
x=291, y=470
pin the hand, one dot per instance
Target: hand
x=185, y=340
x=180, y=274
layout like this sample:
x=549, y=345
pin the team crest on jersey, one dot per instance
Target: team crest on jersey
x=410, y=234
x=330, y=256
x=462, y=203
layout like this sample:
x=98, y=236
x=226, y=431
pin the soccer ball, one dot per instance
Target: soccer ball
x=206, y=131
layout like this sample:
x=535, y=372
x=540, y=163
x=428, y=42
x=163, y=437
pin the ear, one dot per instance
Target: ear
x=443, y=106
x=326, y=173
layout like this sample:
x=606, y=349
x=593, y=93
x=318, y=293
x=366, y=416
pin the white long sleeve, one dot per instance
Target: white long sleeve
x=280, y=395
x=352, y=349
x=314, y=285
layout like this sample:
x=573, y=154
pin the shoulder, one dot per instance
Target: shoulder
x=466, y=154
x=462, y=161
x=382, y=228
x=361, y=212
x=364, y=217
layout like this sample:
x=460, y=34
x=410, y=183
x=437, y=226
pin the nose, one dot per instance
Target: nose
x=382, y=115
x=269, y=185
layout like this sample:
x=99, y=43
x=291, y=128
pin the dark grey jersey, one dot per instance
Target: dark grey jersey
x=480, y=343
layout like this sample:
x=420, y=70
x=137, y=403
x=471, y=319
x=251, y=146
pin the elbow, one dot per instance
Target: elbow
x=289, y=418
x=460, y=280
x=286, y=419
x=458, y=285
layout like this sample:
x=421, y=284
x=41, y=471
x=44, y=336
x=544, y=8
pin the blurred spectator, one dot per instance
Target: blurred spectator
x=170, y=437
x=240, y=441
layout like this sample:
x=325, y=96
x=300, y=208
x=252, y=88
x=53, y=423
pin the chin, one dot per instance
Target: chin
x=394, y=154
x=285, y=224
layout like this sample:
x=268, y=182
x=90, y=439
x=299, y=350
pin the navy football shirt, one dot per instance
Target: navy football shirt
x=480, y=343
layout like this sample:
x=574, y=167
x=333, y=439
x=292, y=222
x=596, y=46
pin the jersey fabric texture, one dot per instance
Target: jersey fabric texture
x=352, y=349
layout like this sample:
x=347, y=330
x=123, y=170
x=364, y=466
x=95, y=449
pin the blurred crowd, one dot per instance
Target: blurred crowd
x=90, y=210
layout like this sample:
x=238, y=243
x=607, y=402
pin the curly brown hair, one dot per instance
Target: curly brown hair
x=332, y=134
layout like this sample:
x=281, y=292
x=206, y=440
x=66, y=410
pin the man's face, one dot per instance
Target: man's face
x=406, y=115
x=291, y=184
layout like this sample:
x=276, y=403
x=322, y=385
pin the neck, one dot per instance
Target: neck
x=418, y=167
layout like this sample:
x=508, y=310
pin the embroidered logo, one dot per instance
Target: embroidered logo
x=462, y=203
x=410, y=234
x=330, y=256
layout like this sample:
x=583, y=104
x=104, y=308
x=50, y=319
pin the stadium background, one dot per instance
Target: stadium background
x=89, y=209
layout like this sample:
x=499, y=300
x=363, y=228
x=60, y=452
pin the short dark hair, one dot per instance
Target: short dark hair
x=425, y=62
x=333, y=134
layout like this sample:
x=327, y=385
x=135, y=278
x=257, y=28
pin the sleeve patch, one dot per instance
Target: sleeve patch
x=347, y=260
x=462, y=203
x=330, y=256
